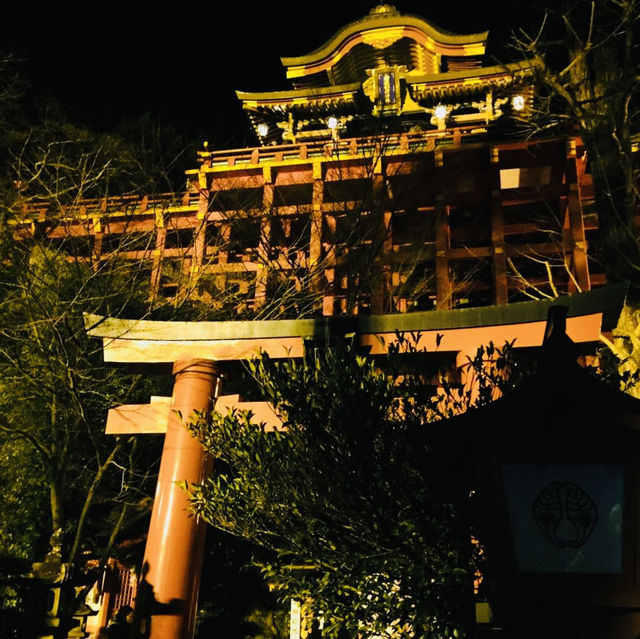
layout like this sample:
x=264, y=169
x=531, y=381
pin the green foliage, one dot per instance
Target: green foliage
x=337, y=499
x=60, y=470
x=24, y=497
x=585, y=60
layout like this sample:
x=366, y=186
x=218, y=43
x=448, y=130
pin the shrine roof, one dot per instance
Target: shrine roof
x=455, y=83
x=389, y=66
x=298, y=96
x=498, y=72
x=452, y=82
x=380, y=28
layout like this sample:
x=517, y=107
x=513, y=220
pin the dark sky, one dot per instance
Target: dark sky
x=183, y=65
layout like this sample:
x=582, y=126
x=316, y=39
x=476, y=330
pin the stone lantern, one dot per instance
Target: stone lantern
x=553, y=470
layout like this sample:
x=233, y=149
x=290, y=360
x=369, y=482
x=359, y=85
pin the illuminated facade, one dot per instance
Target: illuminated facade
x=390, y=178
x=388, y=73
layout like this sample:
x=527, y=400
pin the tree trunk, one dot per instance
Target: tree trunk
x=55, y=500
x=613, y=184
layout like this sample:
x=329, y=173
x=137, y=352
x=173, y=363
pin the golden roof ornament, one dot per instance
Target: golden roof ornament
x=383, y=8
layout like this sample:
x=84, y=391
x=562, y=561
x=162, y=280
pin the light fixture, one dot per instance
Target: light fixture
x=263, y=129
x=517, y=102
x=440, y=112
x=332, y=122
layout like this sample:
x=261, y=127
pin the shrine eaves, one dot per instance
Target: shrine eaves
x=389, y=72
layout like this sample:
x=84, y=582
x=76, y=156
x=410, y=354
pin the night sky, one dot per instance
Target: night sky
x=183, y=65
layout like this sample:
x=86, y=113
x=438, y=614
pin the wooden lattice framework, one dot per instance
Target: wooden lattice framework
x=367, y=225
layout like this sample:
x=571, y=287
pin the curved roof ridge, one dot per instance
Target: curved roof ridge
x=378, y=19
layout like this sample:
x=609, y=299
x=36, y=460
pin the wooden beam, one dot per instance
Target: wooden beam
x=443, y=281
x=576, y=224
x=153, y=418
x=150, y=341
x=501, y=289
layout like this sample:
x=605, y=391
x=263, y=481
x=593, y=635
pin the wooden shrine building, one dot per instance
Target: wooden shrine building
x=393, y=177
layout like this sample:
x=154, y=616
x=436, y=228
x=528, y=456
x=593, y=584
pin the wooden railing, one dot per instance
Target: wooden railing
x=364, y=146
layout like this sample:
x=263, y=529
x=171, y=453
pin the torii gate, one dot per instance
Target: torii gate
x=198, y=351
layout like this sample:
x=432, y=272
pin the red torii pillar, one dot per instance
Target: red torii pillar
x=166, y=604
x=168, y=592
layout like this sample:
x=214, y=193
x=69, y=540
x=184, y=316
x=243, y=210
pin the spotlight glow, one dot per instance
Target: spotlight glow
x=440, y=112
x=332, y=122
x=517, y=102
x=263, y=129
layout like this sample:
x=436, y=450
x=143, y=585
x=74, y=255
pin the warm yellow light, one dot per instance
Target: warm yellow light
x=517, y=102
x=332, y=122
x=263, y=129
x=440, y=112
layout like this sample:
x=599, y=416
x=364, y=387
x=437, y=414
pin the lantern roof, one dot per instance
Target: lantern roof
x=562, y=403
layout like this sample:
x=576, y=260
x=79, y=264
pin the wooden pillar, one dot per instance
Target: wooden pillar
x=199, y=236
x=316, y=270
x=263, y=261
x=379, y=274
x=443, y=279
x=158, y=253
x=500, y=285
x=198, y=246
x=576, y=222
x=168, y=592
x=262, y=271
x=98, y=234
x=267, y=190
x=330, y=282
x=315, y=237
x=386, y=286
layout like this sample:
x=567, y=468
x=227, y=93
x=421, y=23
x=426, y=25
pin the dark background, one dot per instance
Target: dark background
x=108, y=62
